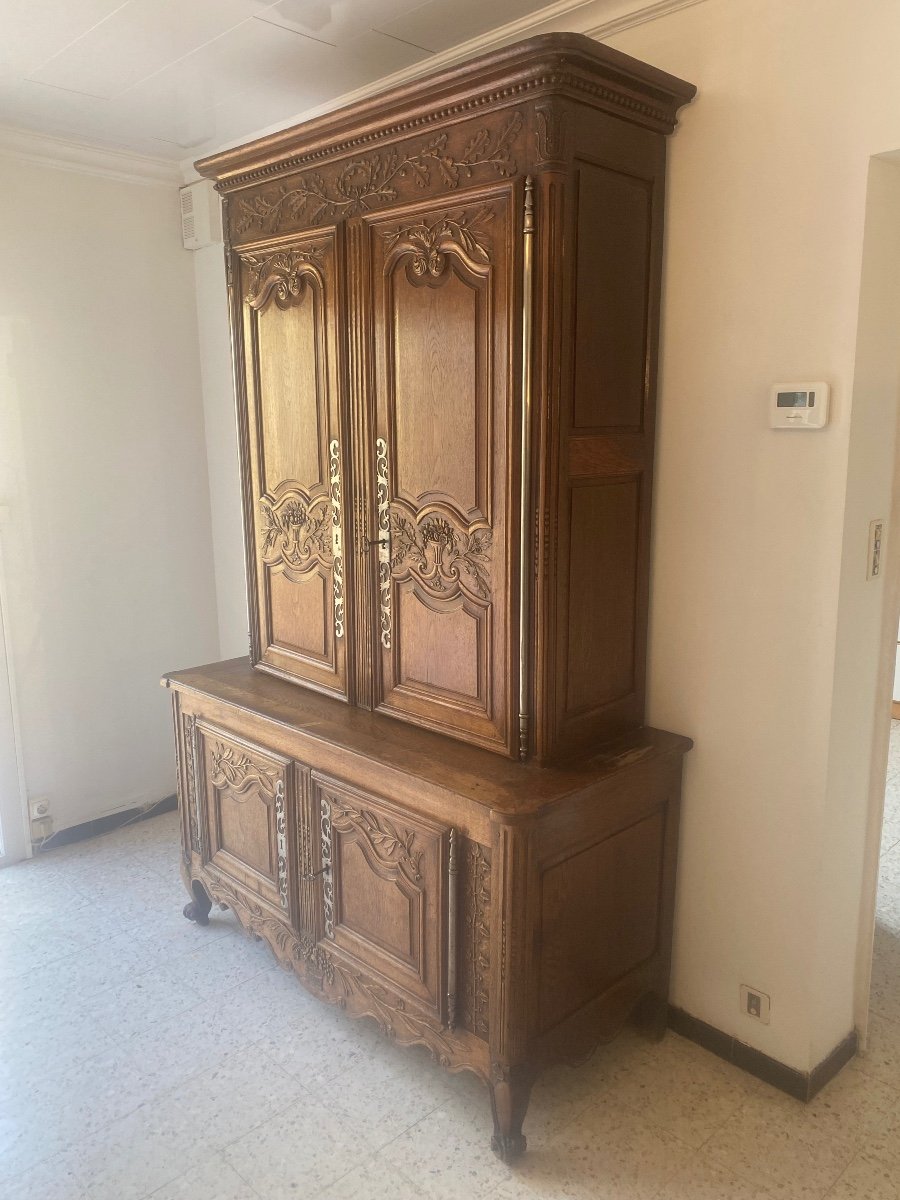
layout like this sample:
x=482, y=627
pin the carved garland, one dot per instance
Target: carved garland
x=366, y=183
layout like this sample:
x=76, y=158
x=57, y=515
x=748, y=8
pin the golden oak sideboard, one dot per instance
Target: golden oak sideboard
x=430, y=788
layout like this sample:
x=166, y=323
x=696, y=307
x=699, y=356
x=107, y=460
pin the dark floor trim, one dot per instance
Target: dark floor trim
x=803, y=1085
x=89, y=829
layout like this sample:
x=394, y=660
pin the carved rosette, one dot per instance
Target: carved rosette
x=281, y=835
x=366, y=183
x=384, y=533
x=327, y=876
x=475, y=918
x=298, y=532
x=190, y=758
x=281, y=276
x=337, y=551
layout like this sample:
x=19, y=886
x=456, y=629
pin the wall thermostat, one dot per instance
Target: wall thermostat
x=799, y=405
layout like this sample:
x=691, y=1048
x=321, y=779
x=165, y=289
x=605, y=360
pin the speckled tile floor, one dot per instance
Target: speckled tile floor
x=143, y=1056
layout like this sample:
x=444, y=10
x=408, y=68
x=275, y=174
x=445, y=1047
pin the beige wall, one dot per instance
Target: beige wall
x=764, y=633
x=103, y=468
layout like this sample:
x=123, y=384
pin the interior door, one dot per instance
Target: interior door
x=442, y=282
x=294, y=460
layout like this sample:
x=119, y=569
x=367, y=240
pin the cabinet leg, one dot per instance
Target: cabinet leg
x=510, y=1093
x=198, y=908
x=652, y=1016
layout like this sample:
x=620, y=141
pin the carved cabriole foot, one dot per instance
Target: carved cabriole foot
x=510, y=1093
x=198, y=909
x=652, y=1017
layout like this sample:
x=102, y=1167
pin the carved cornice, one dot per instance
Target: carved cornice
x=370, y=182
x=296, y=531
x=282, y=275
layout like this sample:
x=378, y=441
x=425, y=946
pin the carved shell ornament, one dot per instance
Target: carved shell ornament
x=281, y=276
x=366, y=183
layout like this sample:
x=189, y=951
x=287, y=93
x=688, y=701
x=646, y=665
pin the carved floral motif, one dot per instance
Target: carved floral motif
x=281, y=836
x=427, y=244
x=327, y=875
x=238, y=773
x=190, y=764
x=384, y=533
x=366, y=183
x=297, y=531
x=440, y=556
x=476, y=934
x=337, y=550
x=281, y=275
x=390, y=846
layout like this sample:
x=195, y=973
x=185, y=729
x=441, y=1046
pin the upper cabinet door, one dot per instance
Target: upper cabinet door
x=294, y=453
x=442, y=284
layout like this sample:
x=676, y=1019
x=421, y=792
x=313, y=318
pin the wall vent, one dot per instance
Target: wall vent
x=201, y=215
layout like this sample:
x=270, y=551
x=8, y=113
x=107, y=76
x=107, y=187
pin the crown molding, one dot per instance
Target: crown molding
x=640, y=16
x=563, y=16
x=47, y=151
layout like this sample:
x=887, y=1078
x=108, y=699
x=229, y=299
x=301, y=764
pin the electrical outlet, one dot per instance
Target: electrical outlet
x=755, y=1004
x=41, y=829
x=876, y=536
x=40, y=808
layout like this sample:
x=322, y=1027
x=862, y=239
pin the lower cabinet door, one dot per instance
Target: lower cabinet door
x=246, y=812
x=385, y=891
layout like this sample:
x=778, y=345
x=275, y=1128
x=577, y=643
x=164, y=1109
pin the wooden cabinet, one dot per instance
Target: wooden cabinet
x=445, y=813
x=445, y=311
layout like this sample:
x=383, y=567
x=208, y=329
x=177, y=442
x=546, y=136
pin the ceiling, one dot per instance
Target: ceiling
x=177, y=78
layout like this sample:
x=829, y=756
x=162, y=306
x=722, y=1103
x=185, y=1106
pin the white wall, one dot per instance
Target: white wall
x=102, y=465
x=764, y=633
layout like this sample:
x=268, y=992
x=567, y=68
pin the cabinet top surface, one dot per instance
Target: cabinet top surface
x=481, y=776
x=561, y=63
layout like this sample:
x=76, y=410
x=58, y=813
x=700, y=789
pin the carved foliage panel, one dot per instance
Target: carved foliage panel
x=478, y=151
x=246, y=823
x=383, y=889
x=293, y=457
x=443, y=284
x=475, y=938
